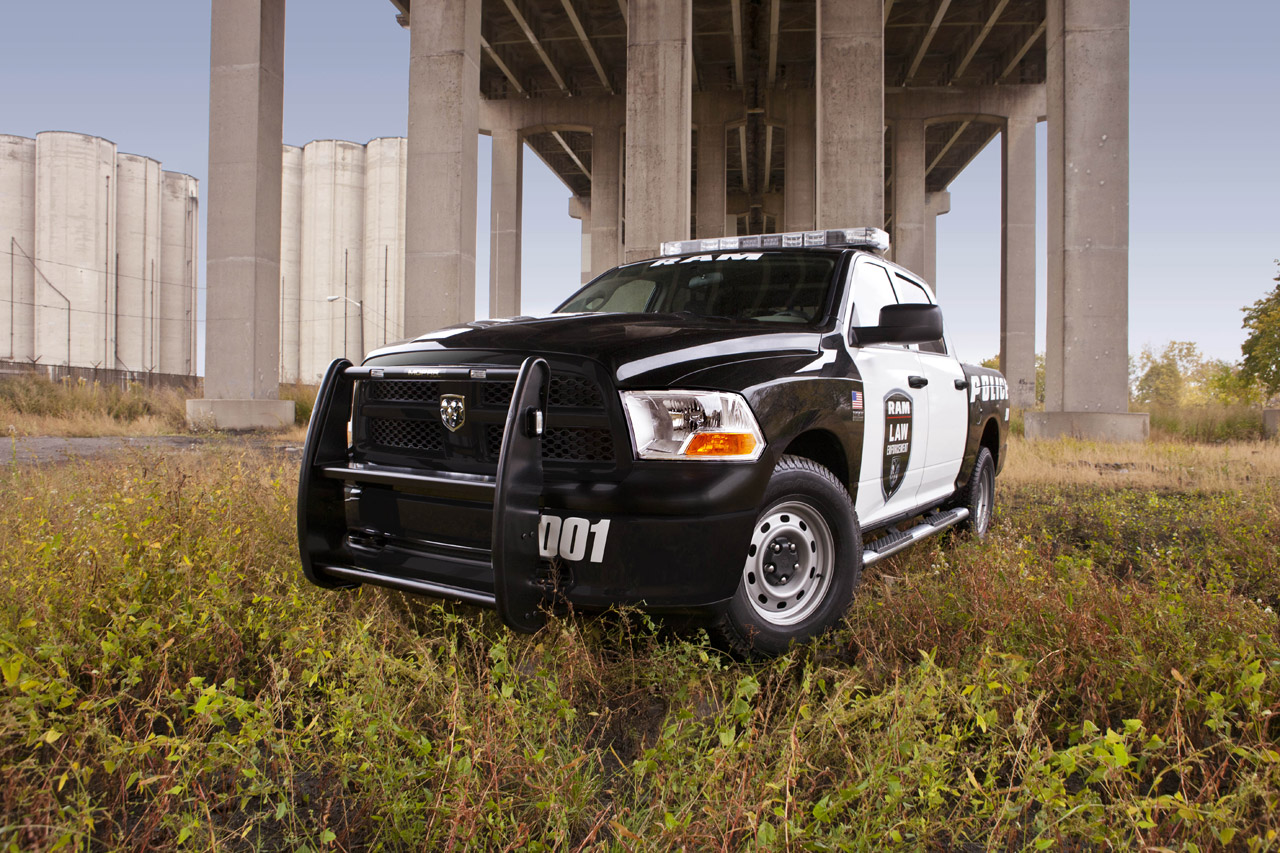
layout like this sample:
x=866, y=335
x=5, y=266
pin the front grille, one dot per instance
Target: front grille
x=399, y=390
x=570, y=392
x=563, y=444
x=407, y=435
x=574, y=391
x=401, y=418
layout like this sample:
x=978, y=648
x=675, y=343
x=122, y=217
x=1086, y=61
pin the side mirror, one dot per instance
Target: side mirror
x=902, y=324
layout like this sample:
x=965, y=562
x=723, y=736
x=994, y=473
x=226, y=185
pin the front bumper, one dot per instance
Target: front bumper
x=668, y=536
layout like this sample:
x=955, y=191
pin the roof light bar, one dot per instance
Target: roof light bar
x=875, y=239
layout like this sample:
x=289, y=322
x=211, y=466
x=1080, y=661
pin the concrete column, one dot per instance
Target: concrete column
x=580, y=209
x=606, y=187
x=800, y=191
x=935, y=205
x=1018, y=259
x=504, y=217
x=1088, y=296
x=908, y=194
x=440, y=198
x=242, y=309
x=711, y=178
x=850, y=113
x=659, y=100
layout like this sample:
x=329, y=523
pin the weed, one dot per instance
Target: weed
x=1102, y=671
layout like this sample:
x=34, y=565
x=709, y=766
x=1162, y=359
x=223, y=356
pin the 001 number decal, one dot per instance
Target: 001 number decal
x=567, y=538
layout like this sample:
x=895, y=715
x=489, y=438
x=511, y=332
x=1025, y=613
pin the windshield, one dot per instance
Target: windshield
x=775, y=287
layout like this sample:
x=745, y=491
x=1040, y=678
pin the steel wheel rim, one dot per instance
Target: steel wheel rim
x=986, y=485
x=791, y=601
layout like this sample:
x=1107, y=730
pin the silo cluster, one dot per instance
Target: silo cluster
x=100, y=254
x=341, y=252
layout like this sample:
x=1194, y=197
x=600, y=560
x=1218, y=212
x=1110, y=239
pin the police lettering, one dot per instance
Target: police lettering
x=899, y=407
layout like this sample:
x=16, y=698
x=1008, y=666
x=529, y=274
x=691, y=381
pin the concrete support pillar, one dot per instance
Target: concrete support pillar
x=908, y=194
x=580, y=209
x=711, y=177
x=659, y=100
x=850, y=113
x=440, y=208
x=800, y=191
x=504, y=217
x=242, y=318
x=935, y=205
x=1088, y=296
x=606, y=191
x=1018, y=259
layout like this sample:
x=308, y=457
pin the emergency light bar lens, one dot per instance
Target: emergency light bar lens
x=875, y=239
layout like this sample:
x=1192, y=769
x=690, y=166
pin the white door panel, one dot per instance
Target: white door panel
x=948, y=426
x=886, y=371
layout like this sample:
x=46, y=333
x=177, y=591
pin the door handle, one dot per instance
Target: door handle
x=917, y=381
x=962, y=384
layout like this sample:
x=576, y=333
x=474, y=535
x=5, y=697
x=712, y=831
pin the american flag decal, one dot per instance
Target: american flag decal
x=857, y=401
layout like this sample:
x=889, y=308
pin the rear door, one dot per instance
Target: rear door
x=895, y=429
x=948, y=409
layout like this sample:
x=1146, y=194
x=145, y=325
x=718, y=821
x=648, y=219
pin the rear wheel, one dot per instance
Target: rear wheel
x=979, y=495
x=802, y=562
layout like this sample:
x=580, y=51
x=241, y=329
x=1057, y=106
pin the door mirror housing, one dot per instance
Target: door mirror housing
x=901, y=324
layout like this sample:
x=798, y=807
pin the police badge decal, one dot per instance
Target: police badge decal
x=897, y=441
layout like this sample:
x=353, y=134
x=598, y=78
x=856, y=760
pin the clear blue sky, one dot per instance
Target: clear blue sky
x=1205, y=129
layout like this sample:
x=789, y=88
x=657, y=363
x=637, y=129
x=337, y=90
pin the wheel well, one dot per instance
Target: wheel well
x=991, y=441
x=821, y=447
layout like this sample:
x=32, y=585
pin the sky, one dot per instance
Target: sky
x=1204, y=131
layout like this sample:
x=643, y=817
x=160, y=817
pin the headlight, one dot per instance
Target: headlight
x=692, y=425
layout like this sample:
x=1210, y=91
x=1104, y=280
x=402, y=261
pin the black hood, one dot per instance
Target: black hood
x=634, y=348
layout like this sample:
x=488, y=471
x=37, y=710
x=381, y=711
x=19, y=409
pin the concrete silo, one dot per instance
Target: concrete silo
x=17, y=246
x=385, y=172
x=332, y=253
x=75, y=248
x=290, y=261
x=138, y=278
x=179, y=234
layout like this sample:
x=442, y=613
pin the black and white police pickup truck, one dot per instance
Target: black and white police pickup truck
x=734, y=429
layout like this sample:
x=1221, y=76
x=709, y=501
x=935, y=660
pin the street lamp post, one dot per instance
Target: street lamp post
x=360, y=308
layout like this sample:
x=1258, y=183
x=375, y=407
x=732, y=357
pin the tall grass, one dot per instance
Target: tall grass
x=1100, y=673
x=33, y=405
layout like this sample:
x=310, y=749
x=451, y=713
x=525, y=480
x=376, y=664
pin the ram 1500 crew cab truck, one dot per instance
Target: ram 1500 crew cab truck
x=735, y=428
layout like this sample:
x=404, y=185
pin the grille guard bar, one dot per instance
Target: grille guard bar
x=516, y=491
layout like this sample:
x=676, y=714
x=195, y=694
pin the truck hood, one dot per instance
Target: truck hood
x=636, y=349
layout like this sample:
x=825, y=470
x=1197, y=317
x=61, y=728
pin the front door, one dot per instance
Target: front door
x=895, y=431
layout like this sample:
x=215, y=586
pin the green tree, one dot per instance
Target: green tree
x=1261, y=349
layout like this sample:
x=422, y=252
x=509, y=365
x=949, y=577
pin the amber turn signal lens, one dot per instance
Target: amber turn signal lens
x=721, y=444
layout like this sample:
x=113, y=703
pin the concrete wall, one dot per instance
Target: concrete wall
x=99, y=257
x=17, y=245
x=179, y=260
x=137, y=273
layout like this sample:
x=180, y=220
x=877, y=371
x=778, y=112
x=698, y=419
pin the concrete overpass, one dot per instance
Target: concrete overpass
x=677, y=118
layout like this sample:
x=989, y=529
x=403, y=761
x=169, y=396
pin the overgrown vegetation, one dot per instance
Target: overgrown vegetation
x=1102, y=672
x=31, y=404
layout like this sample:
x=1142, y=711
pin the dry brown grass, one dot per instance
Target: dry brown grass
x=1160, y=465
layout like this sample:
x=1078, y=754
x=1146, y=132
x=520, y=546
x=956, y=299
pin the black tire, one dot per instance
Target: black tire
x=978, y=496
x=809, y=522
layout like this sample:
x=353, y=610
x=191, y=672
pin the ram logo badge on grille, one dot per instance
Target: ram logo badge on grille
x=453, y=411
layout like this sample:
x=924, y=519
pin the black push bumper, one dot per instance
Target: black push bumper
x=673, y=530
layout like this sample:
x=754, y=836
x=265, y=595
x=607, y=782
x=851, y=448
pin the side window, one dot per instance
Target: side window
x=872, y=290
x=913, y=293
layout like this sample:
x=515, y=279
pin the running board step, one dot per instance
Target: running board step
x=892, y=543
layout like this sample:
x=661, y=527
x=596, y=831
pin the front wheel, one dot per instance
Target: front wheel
x=802, y=562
